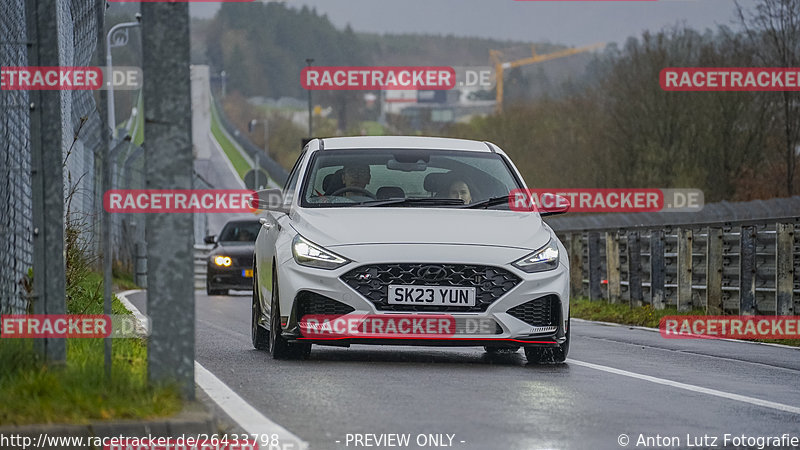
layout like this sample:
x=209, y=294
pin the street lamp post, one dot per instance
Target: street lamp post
x=117, y=37
x=257, y=163
x=309, y=61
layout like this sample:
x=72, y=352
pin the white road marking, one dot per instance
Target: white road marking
x=248, y=418
x=122, y=296
x=691, y=387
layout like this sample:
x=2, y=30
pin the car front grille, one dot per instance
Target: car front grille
x=372, y=282
x=311, y=303
x=541, y=312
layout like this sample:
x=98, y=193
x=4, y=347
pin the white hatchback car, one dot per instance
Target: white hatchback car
x=410, y=241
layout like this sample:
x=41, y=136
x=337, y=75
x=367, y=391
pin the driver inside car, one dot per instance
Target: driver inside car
x=355, y=178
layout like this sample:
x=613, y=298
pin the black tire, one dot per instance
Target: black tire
x=550, y=354
x=279, y=348
x=492, y=350
x=210, y=291
x=259, y=334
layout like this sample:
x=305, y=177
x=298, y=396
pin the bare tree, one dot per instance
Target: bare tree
x=774, y=30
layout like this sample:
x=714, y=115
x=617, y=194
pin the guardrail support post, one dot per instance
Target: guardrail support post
x=612, y=266
x=141, y=264
x=714, y=271
x=747, y=271
x=595, y=267
x=635, y=268
x=684, y=269
x=657, y=269
x=784, y=268
x=576, y=264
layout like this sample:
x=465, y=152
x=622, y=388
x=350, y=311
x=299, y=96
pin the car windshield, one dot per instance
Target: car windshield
x=405, y=177
x=239, y=232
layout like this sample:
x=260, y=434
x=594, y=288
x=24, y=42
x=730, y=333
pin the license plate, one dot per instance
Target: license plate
x=431, y=295
x=247, y=273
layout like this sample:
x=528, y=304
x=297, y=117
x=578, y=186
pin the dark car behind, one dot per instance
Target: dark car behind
x=230, y=263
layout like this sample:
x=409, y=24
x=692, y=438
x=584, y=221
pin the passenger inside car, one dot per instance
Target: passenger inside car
x=460, y=189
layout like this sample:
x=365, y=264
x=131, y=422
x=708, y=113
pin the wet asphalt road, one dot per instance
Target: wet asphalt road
x=503, y=402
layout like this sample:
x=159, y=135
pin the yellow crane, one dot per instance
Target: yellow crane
x=499, y=66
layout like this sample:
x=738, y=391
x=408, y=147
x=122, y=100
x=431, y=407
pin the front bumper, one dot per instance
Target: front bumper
x=228, y=277
x=510, y=332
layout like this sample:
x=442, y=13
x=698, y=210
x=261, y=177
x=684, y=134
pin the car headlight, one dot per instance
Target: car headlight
x=309, y=254
x=546, y=258
x=224, y=261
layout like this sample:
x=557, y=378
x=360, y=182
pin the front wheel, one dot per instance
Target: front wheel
x=279, y=348
x=550, y=354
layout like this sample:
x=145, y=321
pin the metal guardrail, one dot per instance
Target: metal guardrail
x=745, y=267
x=200, y=267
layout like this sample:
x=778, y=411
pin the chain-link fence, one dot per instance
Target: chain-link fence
x=16, y=242
x=81, y=133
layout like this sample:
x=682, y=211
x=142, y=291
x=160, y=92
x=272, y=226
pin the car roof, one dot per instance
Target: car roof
x=404, y=142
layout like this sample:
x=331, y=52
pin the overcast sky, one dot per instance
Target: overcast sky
x=557, y=21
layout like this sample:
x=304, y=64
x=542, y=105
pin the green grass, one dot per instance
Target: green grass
x=373, y=128
x=78, y=392
x=237, y=160
x=644, y=316
x=623, y=313
x=123, y=280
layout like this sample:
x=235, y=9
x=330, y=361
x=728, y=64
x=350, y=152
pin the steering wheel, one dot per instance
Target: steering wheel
x=358, y=190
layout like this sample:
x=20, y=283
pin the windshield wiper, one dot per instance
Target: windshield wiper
x=494, y=201
x=414, y=201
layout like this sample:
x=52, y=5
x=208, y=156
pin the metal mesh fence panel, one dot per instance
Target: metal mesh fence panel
x=16, y=241
x=82, y=133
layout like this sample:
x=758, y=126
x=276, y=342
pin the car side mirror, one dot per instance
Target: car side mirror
x=211, y=239
x=552, y=204
x=268, y=199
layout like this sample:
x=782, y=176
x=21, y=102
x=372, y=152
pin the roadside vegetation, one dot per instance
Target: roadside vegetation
x=240, y=164
x=35, y=391
x=589, y=121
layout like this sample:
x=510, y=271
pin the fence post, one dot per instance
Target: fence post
x=595, y=267
x=784, y=268
x=714, y=271
x=47, y=175
x=612, y=266
x=168, y=156
x=747, y=270
x=684, y=269
x=635, y=268
x=576, y=264
x=657, y=269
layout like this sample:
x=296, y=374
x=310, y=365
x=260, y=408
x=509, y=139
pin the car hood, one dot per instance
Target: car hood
x=234, y=249
x=331, y=227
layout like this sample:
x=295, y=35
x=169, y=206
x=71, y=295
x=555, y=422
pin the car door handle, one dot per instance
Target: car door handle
x=265, y=223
